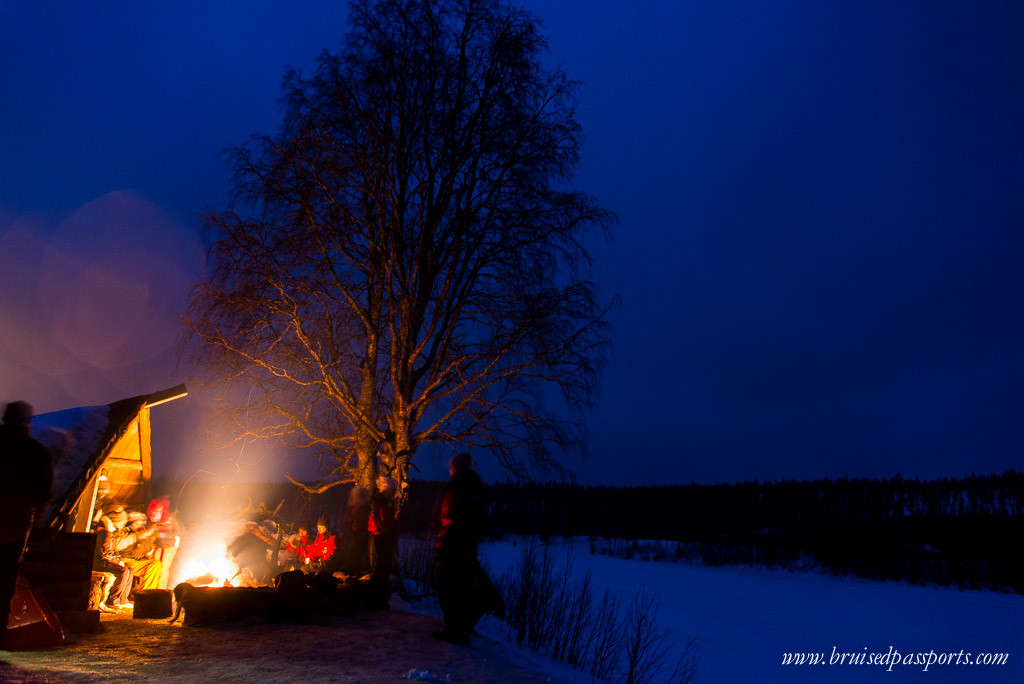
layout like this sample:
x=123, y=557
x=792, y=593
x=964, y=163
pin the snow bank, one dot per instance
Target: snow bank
x=746, y=619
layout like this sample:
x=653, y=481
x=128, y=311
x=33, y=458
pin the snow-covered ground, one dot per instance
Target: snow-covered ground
x=745, y=620
x=381, y=646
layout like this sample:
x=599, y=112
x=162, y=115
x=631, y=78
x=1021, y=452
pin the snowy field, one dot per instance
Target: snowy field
x=745, y=620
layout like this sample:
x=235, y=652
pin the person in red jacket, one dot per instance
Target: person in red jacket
x=300, y=549
x=323, y=547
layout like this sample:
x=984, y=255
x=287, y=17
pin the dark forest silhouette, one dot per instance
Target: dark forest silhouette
x=963, y=532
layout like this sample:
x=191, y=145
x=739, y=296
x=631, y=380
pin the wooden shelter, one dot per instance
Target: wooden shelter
x=103, y=457
x=108, y=458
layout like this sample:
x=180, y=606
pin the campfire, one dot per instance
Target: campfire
x=221, y=553
x=211, y=568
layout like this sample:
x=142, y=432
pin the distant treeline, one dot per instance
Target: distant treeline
x=967, y=532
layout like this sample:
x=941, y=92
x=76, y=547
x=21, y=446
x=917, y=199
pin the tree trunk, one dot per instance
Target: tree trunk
x=404, y=451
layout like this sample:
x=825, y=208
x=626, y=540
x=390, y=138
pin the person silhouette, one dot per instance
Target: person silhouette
x=464, y=590
x=25, y=491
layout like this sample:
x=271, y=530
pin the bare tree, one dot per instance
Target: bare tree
x=404, y=262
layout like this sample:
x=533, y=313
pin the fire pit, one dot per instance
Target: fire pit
x=152, y=604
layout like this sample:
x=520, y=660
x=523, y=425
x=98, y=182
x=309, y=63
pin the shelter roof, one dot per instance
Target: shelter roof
x=81, y=438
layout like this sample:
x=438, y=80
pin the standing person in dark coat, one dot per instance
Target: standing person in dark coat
x=464, y=590
x=355, y=535
x=383, y=529
x=25, y=490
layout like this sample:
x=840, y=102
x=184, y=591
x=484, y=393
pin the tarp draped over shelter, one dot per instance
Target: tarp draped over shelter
x=100, y=452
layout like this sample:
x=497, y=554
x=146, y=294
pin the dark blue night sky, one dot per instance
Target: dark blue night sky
x=819, y=250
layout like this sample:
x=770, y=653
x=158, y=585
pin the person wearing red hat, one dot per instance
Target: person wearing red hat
x=167, y=538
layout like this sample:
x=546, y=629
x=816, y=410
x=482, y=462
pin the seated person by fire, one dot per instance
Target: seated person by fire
x=134, y=551
x=312, y=554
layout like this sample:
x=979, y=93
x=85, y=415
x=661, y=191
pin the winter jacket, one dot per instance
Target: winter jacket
x=382, y=521
x=323, y=546
x=462, y=515
x=301, y=549
x=357, y=520
x=27, y=484
x=137, y=545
